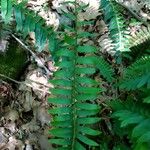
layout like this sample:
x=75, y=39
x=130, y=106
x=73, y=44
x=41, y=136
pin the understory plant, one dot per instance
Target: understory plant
x=75, y=89
x=85, y=116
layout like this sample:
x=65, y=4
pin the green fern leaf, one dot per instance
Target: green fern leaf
x=139, y=37
x=6, y=10
x=86, y=140
x=116, y=23
x=144, y=138
x=27, y=21
x=137, y=75
x=135, y=117
x=127, y=117
x=41, y=36
x=147, y=100
x=105, y=69
x=19, y=17
x=73, y=92
x=141, y=129
x=88, y=131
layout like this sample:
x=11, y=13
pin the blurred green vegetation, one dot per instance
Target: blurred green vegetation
x=13, y=61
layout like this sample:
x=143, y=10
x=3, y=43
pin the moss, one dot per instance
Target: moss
x=13, y=61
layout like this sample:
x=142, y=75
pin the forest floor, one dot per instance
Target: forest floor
x=24, y=118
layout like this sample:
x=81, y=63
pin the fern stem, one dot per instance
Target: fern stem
x=74, y=78
x=26, y=83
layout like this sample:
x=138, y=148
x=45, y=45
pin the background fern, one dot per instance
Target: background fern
x=6, y=10
x=142, y=36
x=28, y=21
x=116, y=24
x=137, y=75
x=131, y=111
x=134, y=117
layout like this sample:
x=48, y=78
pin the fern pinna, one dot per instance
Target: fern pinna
x=135, y=118
x=141, y=36
x=116, y=23
x=137, y=75
x=75, y=91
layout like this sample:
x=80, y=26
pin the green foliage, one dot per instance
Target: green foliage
x=6, y=10
x=132, y=115
x=136, y=117
x=116, y=23
x=137, y=75
x=75, y=91
x=105, y=69
x=28, y=21
x=13, y=61
x=140, y=37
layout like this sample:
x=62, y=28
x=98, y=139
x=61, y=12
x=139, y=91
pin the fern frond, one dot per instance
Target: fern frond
x=106, y=44
x=28, y=21
x=137, y=75
x=139, y=37
x=116, y=23
x=134, y=116
x=74, y=92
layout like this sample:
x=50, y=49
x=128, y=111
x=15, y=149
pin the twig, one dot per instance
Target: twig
x=37, y=88
x=18, y=82
x=23, y=82
x=38, y=60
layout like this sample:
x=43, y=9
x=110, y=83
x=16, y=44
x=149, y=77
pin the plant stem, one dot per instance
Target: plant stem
x=25, y=83
x=74, y=85
x=38, y=60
